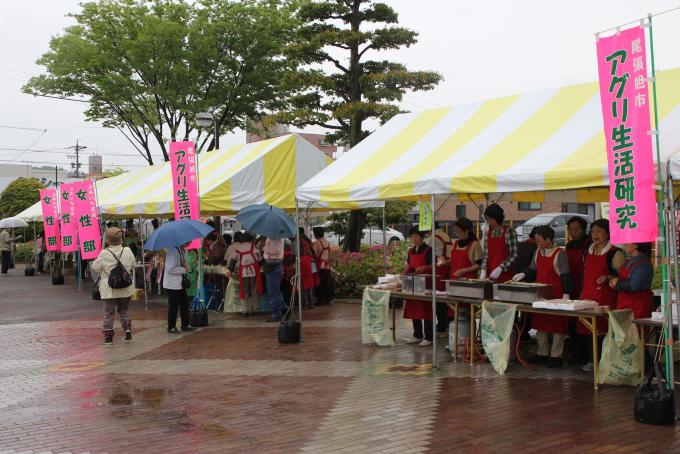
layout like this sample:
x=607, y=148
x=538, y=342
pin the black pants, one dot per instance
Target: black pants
x=324, y=292
x=418, y=329
x=6, y=257
x=442, y=318
x=177, y=299
x=41, y=262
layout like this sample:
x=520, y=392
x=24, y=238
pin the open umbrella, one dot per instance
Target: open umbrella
x=175, y=234
x=12, y=223
x=268, y=221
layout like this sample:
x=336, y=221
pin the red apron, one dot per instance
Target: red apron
x=253, y=266
x=639, y=302
x=413, y=309
x=323, y=259
x=497, y=253
x=460, y=258
x=546, y=274
x=576, y=266
x=594, y=267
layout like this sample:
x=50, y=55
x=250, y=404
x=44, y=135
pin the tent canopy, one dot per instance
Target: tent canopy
x=262, y=172
x=541, y=146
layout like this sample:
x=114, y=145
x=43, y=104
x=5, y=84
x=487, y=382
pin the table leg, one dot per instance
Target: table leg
x=394, y=322
x=455, y=331
x=593, y=330
x=644, y=347
x=472, y=334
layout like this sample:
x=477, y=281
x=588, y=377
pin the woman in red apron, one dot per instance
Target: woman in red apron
x=419, y=262
x=322, y=255
x=602, y=261
x=249, y=277
x=549, y=266
x=634, y=283
x=306, y=270
x=500, y=249
x=576, y=250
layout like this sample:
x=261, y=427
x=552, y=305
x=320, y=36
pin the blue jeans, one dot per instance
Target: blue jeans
x=274, y=296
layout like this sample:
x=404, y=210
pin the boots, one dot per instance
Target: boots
x=127, y=327
x=108, y=336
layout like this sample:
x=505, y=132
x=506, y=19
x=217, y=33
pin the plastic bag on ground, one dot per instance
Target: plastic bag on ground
x=497, y=322
x=375, y=315
x=621, y=358
x=232, y=303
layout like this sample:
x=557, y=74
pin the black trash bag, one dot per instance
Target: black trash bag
x=289, y=330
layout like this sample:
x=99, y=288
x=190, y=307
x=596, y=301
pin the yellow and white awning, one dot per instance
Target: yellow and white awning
x=540, y=146
x=262, y=172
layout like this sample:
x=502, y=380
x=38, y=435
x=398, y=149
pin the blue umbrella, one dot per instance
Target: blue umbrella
x=268, y=221
x=175, y=234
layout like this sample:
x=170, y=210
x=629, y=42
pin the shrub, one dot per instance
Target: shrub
x=352, y=269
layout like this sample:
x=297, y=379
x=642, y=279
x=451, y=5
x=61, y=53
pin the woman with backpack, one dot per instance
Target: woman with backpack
x=115, y=265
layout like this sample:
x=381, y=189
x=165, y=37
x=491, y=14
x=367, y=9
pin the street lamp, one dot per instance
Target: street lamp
x=205, y=120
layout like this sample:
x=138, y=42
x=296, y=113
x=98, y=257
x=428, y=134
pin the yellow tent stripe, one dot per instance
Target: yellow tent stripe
x=481, y=175
x=668, y=92
x=212, y=171
x=280, y=177
x=392, y=150
x=582, y=168
x=489, y=112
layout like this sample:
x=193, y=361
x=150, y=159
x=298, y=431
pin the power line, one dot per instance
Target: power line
x=31, y=145
x=77, y=147
x=20, y=127
x=68, y=163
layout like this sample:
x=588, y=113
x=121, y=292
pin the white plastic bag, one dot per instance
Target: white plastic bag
x=497, y=322
x=375, y=315
x=621, y=358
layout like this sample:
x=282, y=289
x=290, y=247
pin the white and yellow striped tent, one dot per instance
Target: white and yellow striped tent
x=263, y=172
x=542, y=146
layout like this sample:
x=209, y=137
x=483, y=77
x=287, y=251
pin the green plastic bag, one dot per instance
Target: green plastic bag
x=621, y=358
x=497, y=322
x=375, y=315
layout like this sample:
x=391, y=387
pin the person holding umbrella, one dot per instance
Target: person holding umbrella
x=174, y=236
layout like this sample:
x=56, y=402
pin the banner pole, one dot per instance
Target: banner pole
x=668, y=332
x=141, y=237
x=384, y=235
x=435, y=362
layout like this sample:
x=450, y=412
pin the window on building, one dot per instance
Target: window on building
x=580, y=208
x=460, y=211
x=529, y=206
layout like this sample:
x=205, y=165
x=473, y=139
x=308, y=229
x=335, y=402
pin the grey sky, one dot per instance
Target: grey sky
x=483, y=50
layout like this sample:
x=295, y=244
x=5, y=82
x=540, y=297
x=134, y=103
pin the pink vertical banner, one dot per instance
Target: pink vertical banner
x=69, y=230
x=622, y=67
x=185, y=183
x=50, y=213
x=87, y=219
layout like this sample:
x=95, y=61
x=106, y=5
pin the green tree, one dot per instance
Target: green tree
x=343, y=34
x=146, y=67
x=113, y=172
x=19, y=195
x=396, y=212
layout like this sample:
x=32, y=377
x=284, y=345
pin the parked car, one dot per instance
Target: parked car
x=558, y=221
x=373, y=236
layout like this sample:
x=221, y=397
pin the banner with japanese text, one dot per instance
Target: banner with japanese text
x=622, y=67
x=185, y=183
x=69, y=230
x=87, y=219
x=50, y=214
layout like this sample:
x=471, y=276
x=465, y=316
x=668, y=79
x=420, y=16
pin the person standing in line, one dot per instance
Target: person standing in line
x=550, y=265
x=249, y=277
x=41, y=248
x=6, y=241
x=306, y=270
x=322, y=255
x=115, y=299
x=499, y=246
x=176, y=267
x=273, y=259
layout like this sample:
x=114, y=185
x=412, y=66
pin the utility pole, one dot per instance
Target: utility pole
x=77, y=147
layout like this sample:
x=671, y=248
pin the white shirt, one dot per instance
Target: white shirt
x=172, y=275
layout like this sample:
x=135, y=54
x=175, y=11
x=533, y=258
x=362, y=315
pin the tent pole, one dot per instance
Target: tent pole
x=141, y=237
x=384, y=235
x=298, y=282
x=435, y=362
x=35, y=249
x=673, y=254
x=668, y=323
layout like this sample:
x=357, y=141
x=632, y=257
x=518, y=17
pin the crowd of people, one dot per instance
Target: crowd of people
x=590, y=267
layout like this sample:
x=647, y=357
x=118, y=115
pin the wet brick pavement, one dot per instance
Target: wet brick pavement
x=231, y=388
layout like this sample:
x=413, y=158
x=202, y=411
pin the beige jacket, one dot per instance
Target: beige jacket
x=106, y=262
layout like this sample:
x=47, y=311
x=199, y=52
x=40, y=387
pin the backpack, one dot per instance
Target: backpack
x=119, y=277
